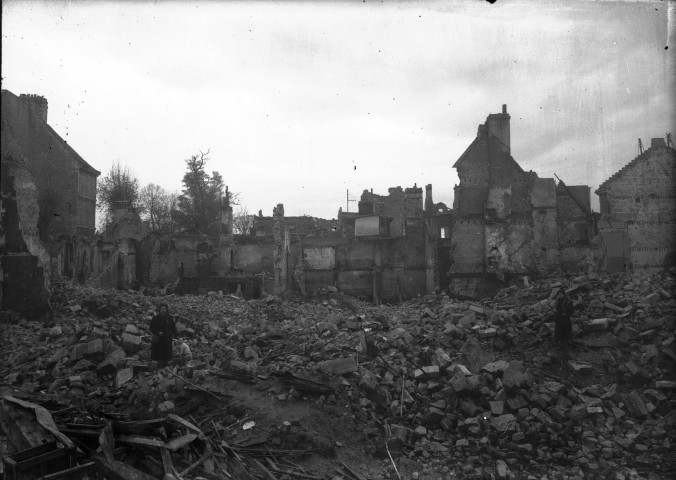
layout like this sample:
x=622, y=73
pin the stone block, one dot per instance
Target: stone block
x=488, y=332
x=123, y=376
x=504, y=423
x=131, y=343
x=133, y=329
x=112, y=362
x=430, y=371
x=434, y=415
x=98, y=332
x=635, y=405
x=339, y=366
x=497, y=407
x=495, y=367
x=459, y=382
x=598, y=324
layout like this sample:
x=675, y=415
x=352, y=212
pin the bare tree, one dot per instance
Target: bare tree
x=156, y=205
x=242, y=221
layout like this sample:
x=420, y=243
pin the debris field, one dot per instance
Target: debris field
x=336, y=388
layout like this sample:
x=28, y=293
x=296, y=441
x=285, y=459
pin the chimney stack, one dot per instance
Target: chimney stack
x=498, y=126
x=37, y=105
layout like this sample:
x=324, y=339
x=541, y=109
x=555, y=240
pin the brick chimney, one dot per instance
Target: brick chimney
x=429, y=202
x=657, y=142
x=37, y=105
x=498, y=125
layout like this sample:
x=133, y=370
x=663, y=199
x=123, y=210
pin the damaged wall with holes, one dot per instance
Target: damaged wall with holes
x=638, y=208
x=511, y=222
x=305, y=255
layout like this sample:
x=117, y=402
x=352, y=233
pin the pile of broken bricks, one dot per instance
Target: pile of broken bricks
x=468, y=389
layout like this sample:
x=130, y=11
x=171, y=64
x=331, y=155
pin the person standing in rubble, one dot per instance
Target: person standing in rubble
x=163, y=328
x=563, y=328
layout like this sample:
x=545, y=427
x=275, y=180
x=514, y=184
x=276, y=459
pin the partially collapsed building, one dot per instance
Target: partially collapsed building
x=508, y=221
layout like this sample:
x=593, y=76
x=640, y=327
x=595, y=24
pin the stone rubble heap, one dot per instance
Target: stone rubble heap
x=464, y=389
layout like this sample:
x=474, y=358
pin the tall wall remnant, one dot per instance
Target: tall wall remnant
x=638, y=211
x=24, y=261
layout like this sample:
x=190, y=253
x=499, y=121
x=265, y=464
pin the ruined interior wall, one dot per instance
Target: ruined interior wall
x=472, y=192
x=394, y=206
x=413, y=208
x=468, y=237
x=521, y=206
x=499, y=202
x=643, y=195
x=514, y=243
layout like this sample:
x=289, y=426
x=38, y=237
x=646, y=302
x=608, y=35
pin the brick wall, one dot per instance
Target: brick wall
x=469, y=246
x=642, y=195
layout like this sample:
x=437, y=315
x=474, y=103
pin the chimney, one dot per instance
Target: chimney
x=657, y=142
x=498, y=126
x=429, y=203
x=37, y=105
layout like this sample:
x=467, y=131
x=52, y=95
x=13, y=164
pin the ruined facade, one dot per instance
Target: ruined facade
x=48, y=205
x=65, y=181
x=359, y=253
x=509, y=221
x=638, y=211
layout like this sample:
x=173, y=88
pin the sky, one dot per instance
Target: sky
x=300, y=102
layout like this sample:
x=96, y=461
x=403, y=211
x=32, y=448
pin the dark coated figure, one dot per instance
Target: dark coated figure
x=563, y=328
x=163, y=328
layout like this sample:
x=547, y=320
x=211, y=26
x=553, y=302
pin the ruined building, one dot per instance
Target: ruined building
x=65, y=181
x=508, y=221
x=638, y=211
x=48, y=203
x=381, y=253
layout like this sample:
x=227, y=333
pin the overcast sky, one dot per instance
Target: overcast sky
x=299, y=102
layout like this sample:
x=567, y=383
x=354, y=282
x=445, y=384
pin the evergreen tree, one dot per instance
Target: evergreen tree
x=200, y=202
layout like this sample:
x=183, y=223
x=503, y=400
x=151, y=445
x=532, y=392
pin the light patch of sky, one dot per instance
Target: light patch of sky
x=290, y=98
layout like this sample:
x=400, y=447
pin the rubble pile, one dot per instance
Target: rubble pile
x=435, y=387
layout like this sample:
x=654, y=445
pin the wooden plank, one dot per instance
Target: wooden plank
x=167, y=462
x=179, y=442
x=140, y=441
x=87, y=471
x=121, y=471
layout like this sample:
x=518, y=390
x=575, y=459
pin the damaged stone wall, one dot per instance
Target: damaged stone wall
x=25, y=268
x=642, y=195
